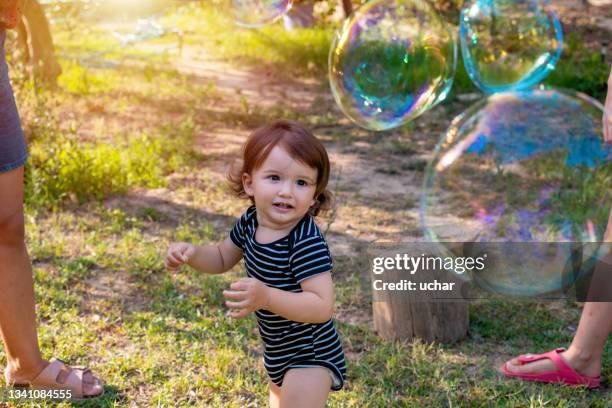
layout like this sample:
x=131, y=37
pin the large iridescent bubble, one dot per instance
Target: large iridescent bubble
x=392, y=61
x=526, y=167
x=257, y=13
x=509, y=44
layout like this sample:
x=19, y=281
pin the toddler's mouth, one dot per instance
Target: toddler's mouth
x=283, y=205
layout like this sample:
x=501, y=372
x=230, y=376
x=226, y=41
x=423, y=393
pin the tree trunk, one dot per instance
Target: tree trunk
x=35, y=37
x=347, y=6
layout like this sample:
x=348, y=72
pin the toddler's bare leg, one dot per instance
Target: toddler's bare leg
x=275, y=395
x=305, y=388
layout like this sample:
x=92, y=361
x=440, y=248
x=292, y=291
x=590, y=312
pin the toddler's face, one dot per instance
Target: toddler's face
x=283, y=188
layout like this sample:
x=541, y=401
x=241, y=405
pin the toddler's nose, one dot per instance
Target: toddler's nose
x=285, y=189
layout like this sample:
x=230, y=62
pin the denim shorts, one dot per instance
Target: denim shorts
x=13, y=152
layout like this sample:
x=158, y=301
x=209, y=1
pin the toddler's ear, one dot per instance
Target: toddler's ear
x=247, y=184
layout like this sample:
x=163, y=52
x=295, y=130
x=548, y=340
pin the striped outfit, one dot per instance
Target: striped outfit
x=283, y=264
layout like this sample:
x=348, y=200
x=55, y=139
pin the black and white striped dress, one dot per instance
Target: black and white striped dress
x=283, y=264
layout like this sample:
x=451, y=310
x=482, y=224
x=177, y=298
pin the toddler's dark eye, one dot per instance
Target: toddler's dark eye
x=274, y=177
x=302, y=183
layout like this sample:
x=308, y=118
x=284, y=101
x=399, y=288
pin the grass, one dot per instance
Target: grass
x=300, y=52
x=123, y=162
x=164, y=339
x=305, y=52
x=581, y=69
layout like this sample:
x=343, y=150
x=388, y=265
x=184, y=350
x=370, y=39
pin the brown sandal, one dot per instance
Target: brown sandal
x=48, y=380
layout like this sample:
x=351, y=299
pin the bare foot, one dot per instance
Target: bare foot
x=585, y=366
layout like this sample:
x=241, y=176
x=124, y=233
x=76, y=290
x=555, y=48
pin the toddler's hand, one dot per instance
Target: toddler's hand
x=251, y=295
x=178, y=254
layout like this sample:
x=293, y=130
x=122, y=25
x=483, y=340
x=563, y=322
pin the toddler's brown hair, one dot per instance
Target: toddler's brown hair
x=301, y=145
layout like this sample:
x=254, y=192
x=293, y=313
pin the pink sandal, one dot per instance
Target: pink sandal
x=564, y=374
x=48, y=380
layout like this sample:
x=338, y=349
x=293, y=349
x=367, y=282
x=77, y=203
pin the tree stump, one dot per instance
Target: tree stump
x=431, y=315
x=441, y=322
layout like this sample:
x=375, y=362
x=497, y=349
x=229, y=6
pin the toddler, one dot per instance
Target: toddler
x=285, y=172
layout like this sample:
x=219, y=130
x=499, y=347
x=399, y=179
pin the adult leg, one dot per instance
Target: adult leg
x=17, y=314
x=305, y=388
x=585, y=353
x=275, y=395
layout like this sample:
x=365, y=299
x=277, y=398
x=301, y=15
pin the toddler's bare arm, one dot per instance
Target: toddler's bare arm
x=215, y=259
x=314, y=305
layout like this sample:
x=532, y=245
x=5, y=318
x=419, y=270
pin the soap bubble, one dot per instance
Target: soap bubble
x=524, y=167
x=509, y=44
x=392, y=61
x=257, y=13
